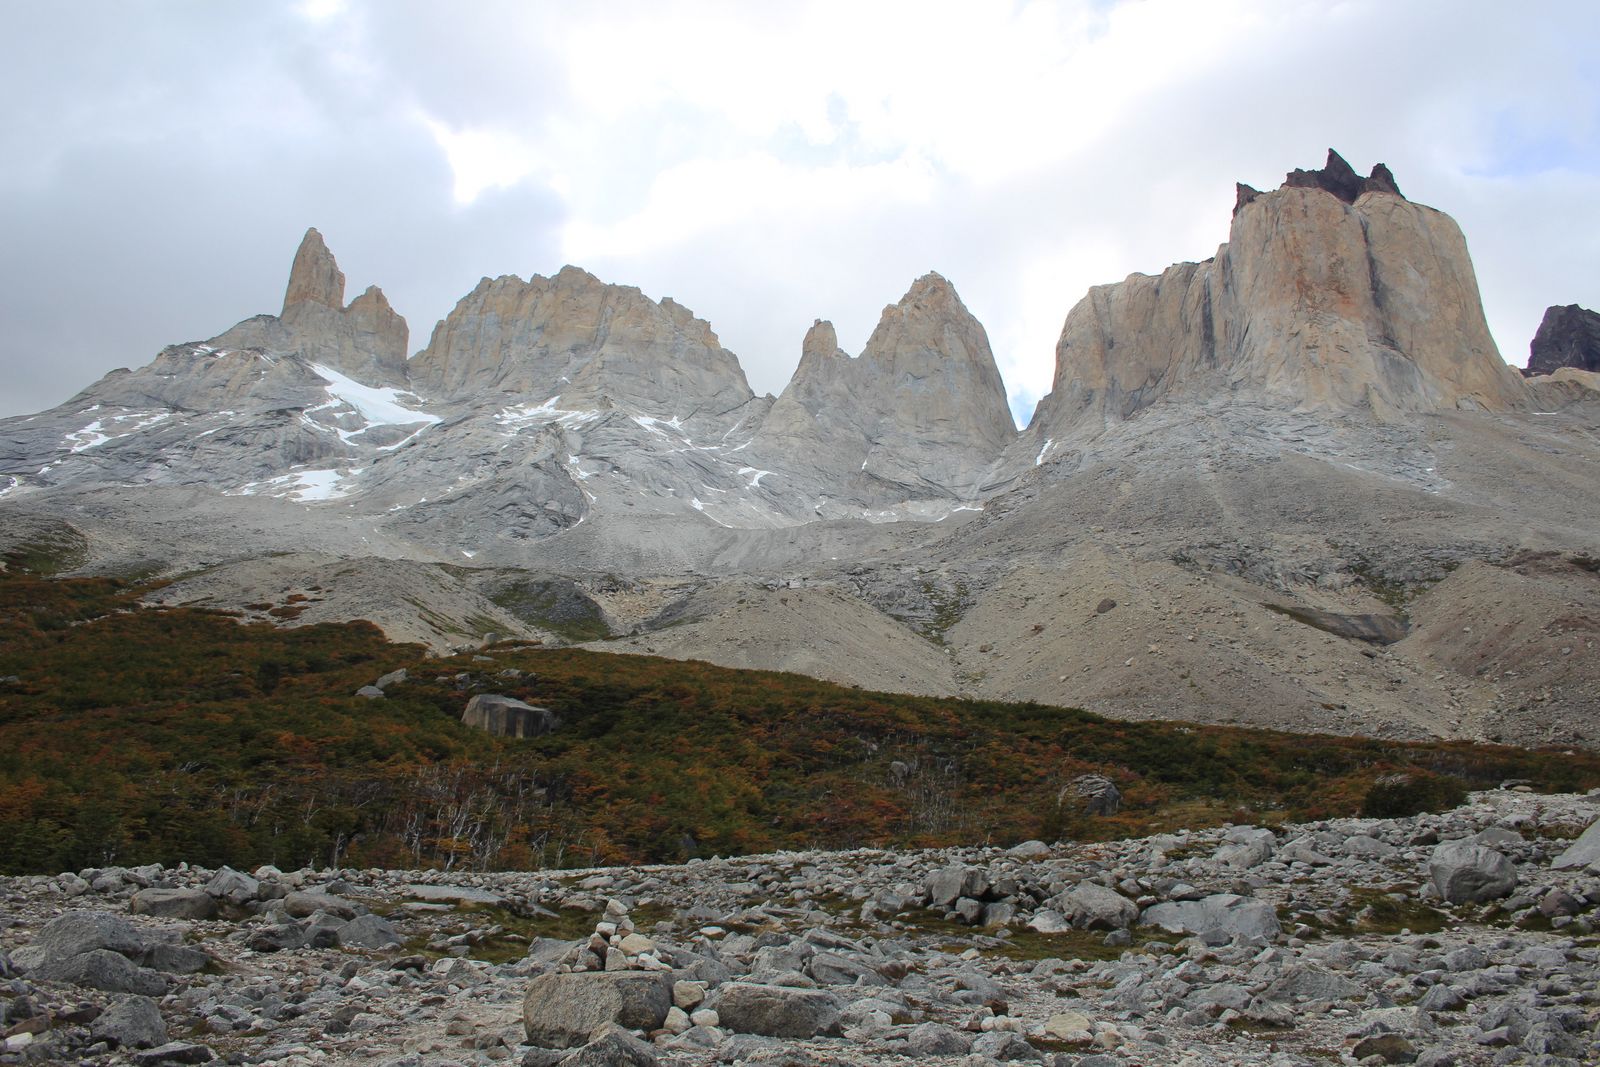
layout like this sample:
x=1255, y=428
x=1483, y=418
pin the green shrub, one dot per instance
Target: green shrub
x=1399, y=795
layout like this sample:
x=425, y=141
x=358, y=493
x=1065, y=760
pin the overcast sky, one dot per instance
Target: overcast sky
x=764, y=164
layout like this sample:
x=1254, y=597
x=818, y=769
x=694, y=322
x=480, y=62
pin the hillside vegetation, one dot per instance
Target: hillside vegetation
x=132, y=735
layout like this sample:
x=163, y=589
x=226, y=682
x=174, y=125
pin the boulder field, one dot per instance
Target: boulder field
x=1461, y=938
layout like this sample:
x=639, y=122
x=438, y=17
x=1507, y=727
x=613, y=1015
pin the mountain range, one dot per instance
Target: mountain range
x=1293, y=485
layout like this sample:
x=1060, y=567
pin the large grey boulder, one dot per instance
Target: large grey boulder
x=132, y=1022
x=949, y=884
x=1247, y=846
x=93, y=949
x=173, y=959
x=1099, y=794
x=937, y=1039
x=1309, y=982
x=776, y=1011
x=393, y=678
x=276, y=938
x=77, y=932
x=1466, y=873
x=612, y=1047
x=506, y=716
x=1583, y=852
x=235, y=887
x=173, y=903
x=1220, y=913
x=832, y=968
x=1004, y=1047
x=1367, y=847
x=1092, y=906
x=454, y=894
x=563, y=1010
x=102, y=969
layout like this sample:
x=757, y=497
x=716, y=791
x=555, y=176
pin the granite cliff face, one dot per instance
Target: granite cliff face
x=921, y=411
x=1334, y=293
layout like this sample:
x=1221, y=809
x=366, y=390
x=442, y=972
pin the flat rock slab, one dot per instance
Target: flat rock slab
x=776, y=1011
x=174, y=1052
x=1224, y=913
x=303, y=904
x=173, y=903
x=454, y=894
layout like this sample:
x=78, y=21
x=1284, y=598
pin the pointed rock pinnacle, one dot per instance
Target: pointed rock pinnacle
x=315, y=278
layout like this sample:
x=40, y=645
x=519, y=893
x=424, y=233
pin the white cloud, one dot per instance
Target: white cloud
x=715, y=195
x=321, y=10
x=766, y=164
x=483, y=159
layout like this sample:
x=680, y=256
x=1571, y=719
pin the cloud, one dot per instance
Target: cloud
x=764, y=164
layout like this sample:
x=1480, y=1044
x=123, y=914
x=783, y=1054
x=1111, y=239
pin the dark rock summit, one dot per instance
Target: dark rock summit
x=1340, y=178
x=1568, y=337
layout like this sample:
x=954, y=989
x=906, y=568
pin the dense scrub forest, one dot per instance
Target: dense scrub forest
x=132, y=735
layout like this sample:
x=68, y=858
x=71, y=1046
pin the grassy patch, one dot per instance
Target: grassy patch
x=557, y=605
x=1372, y=910
x=55, y=550
x=1090, y=945
x=948, y=607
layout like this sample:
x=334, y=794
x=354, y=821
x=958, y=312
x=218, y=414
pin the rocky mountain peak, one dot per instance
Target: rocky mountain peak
x=930, y=304
x=1340, y=178
x=367, y=341
x=821, y=344
x=923, y=408
x=585, y=340
x=1568, y=337
x=931, y=322
x=315, y=277
x=1324, y=298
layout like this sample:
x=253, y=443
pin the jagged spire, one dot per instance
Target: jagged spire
x=315, y=277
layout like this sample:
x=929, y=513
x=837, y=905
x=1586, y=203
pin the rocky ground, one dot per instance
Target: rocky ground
x=1461, y=938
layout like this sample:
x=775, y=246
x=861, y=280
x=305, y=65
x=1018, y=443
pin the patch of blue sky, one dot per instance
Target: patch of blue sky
x=1516, y=151
x=1023, y=400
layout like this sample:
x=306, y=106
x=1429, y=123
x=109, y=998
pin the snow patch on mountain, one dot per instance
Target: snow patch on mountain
x=306, y=486
x=378, y=405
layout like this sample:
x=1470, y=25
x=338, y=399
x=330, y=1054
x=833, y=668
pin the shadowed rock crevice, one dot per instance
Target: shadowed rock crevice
x=1374, y=629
